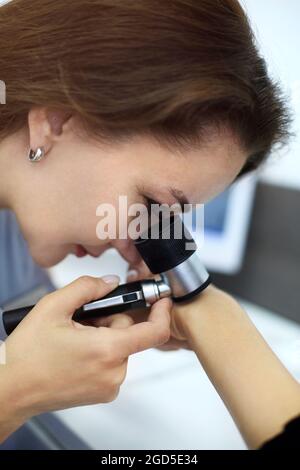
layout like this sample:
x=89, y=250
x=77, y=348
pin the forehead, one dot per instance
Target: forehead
x=201, y=173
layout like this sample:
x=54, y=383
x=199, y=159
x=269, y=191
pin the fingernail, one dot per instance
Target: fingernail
x=132, y=275
x=111, y=279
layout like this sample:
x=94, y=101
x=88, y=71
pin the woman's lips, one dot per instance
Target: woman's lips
x=125, y=248
x=80, y=251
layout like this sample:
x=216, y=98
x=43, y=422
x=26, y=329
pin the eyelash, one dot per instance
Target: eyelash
x=149, y=202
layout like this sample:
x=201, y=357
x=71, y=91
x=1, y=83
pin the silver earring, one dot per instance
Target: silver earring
x=36, y=156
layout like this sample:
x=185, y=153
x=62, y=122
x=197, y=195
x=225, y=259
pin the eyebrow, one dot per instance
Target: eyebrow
x=180, y=196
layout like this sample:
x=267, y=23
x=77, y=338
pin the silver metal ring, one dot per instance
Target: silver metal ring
x=36, y=156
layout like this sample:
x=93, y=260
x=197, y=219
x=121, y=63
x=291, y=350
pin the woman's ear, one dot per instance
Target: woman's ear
x=46, y=126
x=58, y=120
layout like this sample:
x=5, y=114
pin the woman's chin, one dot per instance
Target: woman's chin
x=47, y=259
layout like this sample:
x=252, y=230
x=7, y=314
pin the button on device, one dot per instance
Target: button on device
x=130, y=297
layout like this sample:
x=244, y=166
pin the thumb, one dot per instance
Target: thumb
x=118, y=320
x=81, y=291
x=138, y=271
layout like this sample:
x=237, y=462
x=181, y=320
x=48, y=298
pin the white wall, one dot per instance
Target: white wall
x=276, y=23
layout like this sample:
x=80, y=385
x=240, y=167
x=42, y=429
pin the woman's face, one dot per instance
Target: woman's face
x=56, y=199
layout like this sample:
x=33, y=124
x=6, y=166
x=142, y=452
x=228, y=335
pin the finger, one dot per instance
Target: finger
x=174, y=345
x=132, y=275
x=149, y=334
x=139, y=314
x=79, y=292
x=128, y=251
x=138, y=271
x=114, y=321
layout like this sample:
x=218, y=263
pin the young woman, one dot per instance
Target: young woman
x=159, y=101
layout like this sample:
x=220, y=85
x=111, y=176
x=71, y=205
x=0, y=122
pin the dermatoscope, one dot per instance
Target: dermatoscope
x=171, y=253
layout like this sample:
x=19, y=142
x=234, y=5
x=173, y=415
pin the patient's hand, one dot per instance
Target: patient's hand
x=176, y=341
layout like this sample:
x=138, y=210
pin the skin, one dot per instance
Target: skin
x=55, y=203
x=47, y=197
x=54, y=217
x=258, y=391
x=53, y=362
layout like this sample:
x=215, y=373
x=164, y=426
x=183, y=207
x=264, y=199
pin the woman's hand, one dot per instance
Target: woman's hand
x=54, y=362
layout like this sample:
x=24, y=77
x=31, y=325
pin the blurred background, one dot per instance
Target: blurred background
x=252, y=250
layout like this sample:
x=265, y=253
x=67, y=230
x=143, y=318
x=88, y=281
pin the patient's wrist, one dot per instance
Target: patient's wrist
x=12, y=405
x=211, y=309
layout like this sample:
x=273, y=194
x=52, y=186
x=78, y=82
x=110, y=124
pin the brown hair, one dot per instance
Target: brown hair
x=164, y=67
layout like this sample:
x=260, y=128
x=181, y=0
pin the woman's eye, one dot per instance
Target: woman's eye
x=149, y=202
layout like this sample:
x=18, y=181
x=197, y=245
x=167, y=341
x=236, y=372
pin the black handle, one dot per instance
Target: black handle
x=123, y=289
x=12, y=318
